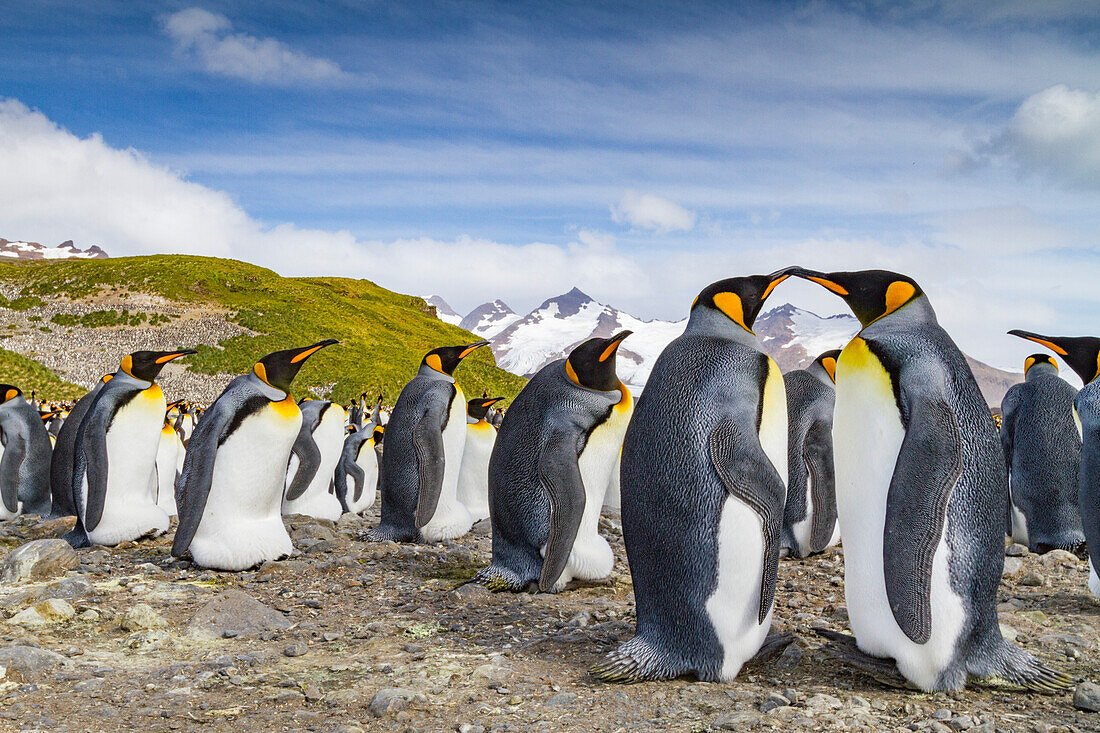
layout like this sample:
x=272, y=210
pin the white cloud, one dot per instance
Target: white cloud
x=647, y=211
x=69, y=187
x=1057, y=131
x=207, y=38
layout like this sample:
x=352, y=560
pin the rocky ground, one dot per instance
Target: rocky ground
x=348, y=636
x=82, y=355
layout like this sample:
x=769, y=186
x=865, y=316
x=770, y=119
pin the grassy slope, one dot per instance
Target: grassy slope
x=384, y=334
x=28, y=374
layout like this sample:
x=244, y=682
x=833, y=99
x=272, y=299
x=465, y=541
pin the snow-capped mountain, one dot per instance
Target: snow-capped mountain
x=34, y=251
x=792, y=336
x=489, y=319
x=443, y=311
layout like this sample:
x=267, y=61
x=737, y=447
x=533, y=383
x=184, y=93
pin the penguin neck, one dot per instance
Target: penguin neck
x=272, y=393
x=916, y=312
x=820, y=374
x=125, y=379
x=709, y=322
x=1039, y=371
x=427, y=371
x=470, y=420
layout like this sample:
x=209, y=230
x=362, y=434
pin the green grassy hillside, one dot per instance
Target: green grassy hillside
x=384, y=334
x=27, y=374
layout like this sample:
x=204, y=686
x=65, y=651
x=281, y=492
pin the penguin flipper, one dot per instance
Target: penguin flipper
x=560, y=476
x=90, y=466
x=818, y=454
x=430, y=460
x=193, y=483
x=749, y=475
x=309, y=460
x=1008, y=436
x=928, y=466
x=15, y=452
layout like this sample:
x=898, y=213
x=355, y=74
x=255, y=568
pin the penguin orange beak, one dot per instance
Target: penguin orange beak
x=175, y=355
x=311, y=350
x=493, y=401
x=1039, y=340
x=472, y=347
x=613, y=345
x=821, y=278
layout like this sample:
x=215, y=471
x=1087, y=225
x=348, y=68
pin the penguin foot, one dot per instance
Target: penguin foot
x=842, y=647
x=635, y=661
x=773, y=646
x=386, y=533
x=498, y=579
x=1016, y=668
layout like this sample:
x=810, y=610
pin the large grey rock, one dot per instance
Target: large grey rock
x=1087, y=697
x=235, y=611
x=390, y=700
x=28, y=660
x=38, y=560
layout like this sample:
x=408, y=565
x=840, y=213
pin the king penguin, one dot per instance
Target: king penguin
x=360, y=462
x=230, y=492
x=115, y=454
x=24, y=456
x=162, y=484
x=550, y=468
x=1043, y=455
x=921, y=492
x=61, y=463
x=704, y=467
x=473, y=479
x=1082, y=354
x=310, y=488
x=425, y=436
x=809, y=517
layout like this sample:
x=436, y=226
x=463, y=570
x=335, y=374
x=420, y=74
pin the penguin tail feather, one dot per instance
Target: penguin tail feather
x=635, y=661
x=843, y=649
x=498, y=579
x=1013, y=667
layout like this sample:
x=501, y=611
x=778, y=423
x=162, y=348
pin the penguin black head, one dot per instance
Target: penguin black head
x=870, y=294
x=739, y=298
x=592, y=364
x=279, y=368
x=828, y=362
x=446, y=359
x=1082, y=353
x=478, y=408
x=9, y=392
x=1037, y=359
x=378, y=434
x=146, y=365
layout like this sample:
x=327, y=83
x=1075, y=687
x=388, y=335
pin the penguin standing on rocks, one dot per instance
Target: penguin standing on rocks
x=313, y=460
x=921, y=492
x=425, y=437
x=115, y=453
x=1082, y=353
x=1043, y=456
x=61, y=463
x=162, y=484
x=360, y=462
x=473, y=479
x=230, y=493
x=550, y=468
x=24, y=457
x=704, y=468
x=809, y=518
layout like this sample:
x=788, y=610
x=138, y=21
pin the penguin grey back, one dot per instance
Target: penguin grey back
x=809, y=460
x=61, y=463
x=25, y=466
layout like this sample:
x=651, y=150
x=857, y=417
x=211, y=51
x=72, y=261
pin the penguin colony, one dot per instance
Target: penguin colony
x=722, y=466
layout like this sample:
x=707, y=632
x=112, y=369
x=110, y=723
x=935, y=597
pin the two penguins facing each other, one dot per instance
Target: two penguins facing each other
x=919, y=479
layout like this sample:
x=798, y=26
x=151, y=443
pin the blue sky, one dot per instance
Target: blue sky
x=637, y=150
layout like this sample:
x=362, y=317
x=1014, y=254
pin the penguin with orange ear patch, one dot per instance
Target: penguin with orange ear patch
x=809, y=517
x=229, y=495
x=115, y=454
x=425, y=437
x=550, y=469
x=1082, y=353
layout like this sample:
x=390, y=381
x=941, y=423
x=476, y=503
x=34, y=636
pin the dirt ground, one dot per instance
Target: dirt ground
x=353, y=636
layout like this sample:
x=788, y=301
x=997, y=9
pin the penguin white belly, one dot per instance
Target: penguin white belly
x=129, y=509
x=591, y=557
x=368, y=462
x=867, y=438
x=242, y=525
x=613, y=498
x=473, y=480
x=451, y=518
x=167, y=457
x=181, y=454
x=1019, y=522
x=4, y=513
x=317, y=500
x=803, y=529
x=1094, y=580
